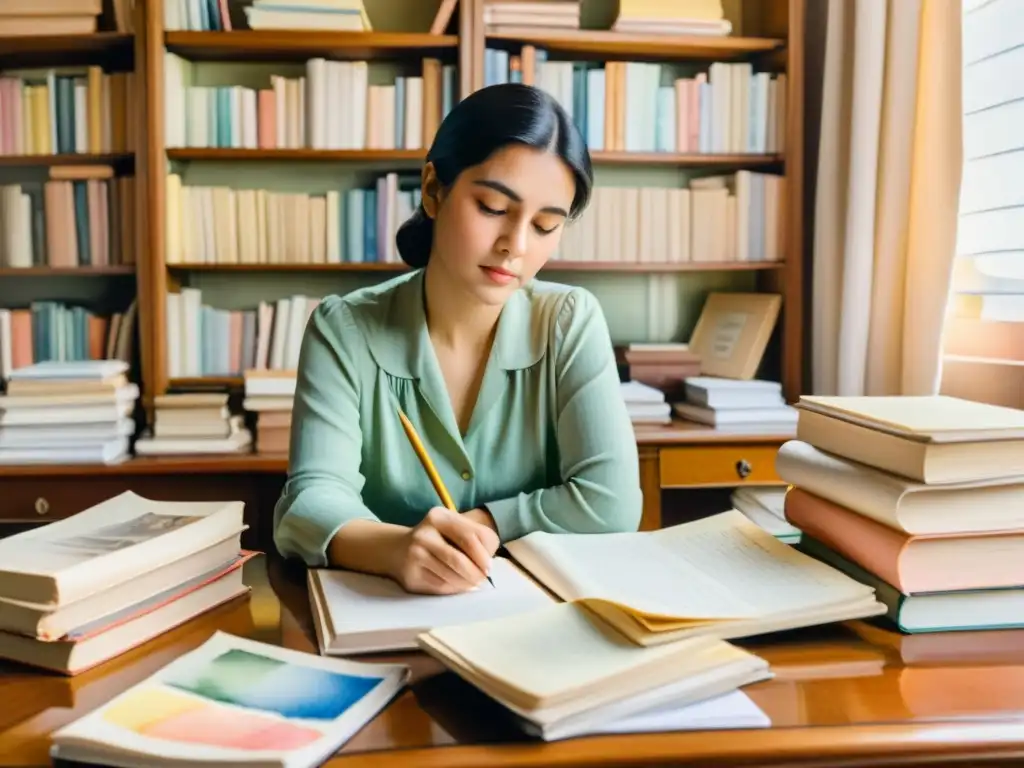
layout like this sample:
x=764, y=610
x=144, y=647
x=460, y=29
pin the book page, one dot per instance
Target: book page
x=719, y=567
x=561, y=651
x=358, y=602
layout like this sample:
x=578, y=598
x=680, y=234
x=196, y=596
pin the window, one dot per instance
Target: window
x=984, y=334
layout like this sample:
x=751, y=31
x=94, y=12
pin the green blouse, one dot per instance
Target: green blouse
x=550, y=446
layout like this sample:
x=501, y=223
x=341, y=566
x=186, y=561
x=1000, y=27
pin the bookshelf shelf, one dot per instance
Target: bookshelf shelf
x=288, y=45
x=120, y=160
x=299, y=155
x=600, y=44
x=705, y=160
x=113, y=49
x=417, y=155
x=108, y=271
x=551, y=266
x=205, y=382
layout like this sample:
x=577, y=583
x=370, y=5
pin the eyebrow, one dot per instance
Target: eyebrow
x=499, y=187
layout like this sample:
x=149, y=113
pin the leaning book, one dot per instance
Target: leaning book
x=234, y=702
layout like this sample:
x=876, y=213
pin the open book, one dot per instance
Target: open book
x=563, y=672
x=361, y=613
x=234, y=702
x=721, y=576
x=107, y=545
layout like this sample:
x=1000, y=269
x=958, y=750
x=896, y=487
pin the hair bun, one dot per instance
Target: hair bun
x=415, y=239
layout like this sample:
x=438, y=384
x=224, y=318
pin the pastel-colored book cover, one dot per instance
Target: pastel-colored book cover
x=236, y=700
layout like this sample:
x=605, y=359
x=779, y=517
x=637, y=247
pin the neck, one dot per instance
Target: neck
x=456, y=318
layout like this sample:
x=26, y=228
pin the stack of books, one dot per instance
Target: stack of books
x=646, y=405
x=269, y=395
x=52, y=17
x=737, y=403
x=80, y=591
x=58, y=412
x=672, y=17
x=918, y=497
x=507, y=15
x=662, y=366
x=196, y=422
x=320, y=15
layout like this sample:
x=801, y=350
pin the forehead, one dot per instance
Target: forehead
x=538, y=177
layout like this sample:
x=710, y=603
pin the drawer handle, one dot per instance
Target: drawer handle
x=743, y=469
x=42, y=506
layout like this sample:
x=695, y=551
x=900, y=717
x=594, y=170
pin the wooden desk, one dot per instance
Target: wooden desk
x=682, y=455
x=837, y=699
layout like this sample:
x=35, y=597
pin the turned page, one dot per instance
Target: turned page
x=717, y=568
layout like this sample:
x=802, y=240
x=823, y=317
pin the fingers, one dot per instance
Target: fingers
x=431, y=550
x=465, y=535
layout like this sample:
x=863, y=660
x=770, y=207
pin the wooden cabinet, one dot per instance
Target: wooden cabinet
x=718, y=465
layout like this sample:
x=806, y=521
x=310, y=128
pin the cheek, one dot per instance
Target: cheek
x=463, y=234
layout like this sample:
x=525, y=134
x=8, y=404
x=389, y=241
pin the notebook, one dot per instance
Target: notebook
x=361, y=613
x=722, y=576
x=561, y=671
x=235, y=702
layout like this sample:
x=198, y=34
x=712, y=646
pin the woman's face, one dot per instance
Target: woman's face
x=501, y=220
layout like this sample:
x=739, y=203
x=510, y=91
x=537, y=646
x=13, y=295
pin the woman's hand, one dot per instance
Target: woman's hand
x=444, y=554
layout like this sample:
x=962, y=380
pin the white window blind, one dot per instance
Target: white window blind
x=984, y=339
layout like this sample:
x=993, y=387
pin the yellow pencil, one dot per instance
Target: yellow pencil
x=428, y=465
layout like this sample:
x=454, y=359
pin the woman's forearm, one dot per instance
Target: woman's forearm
x=367, y=546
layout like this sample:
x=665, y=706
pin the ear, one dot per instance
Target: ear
x=430, y=189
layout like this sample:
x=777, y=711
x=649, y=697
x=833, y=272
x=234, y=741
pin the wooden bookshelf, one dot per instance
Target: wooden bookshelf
x=771, y=38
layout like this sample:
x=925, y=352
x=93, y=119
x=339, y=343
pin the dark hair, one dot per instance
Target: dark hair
x=480, y=125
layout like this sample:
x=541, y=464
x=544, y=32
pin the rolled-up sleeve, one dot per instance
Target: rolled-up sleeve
x=323, y=490
x=599, y=463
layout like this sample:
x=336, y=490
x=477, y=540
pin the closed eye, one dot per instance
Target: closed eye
x=543, y=231
x=489, y=211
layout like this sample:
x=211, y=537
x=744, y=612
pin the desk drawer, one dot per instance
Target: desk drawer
x=721, y=465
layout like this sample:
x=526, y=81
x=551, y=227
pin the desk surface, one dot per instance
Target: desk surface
x=847, y=693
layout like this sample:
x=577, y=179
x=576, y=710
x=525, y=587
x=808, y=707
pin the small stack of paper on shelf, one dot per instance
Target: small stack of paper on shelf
x=672, y=17
x=319, y=15
x=80, y=591
x=59, y=412
x=645, y=404
x=194, y=423
x=738, y=404
x=505, y=15
x=919, y=498
x=269, y=394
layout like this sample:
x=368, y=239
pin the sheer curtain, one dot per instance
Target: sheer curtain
x=889, y=169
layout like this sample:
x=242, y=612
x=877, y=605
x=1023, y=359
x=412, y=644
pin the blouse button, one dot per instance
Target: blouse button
x=466, y=474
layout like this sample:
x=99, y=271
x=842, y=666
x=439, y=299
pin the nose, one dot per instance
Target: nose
x=513, y=243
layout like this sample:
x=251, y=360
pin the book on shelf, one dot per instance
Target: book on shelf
x=312, y=110
x=88, y=588
x=208, y=341
x=67, y=110
x=637, y=106
x=80, y=217
x=47, y=331
x=234, y=701
x=749, y=404
x=194, y=423
x=670, y=17
x=715, y=220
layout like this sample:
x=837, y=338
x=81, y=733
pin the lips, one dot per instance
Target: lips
x=500, y=271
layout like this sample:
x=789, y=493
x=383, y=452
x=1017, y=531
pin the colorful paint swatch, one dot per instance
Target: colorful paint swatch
x=160, y=713
x=249, y=680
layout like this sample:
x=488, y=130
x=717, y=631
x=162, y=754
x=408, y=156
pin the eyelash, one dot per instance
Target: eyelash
x=492, y=212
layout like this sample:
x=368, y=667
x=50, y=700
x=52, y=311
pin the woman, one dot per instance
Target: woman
x=511, y=383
